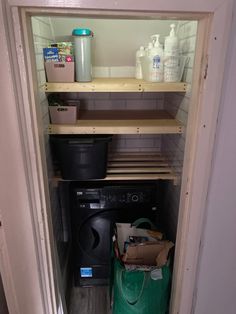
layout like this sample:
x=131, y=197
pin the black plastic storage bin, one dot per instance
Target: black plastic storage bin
x=81, y=157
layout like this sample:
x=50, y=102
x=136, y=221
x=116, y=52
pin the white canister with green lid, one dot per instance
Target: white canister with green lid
x=83, y=67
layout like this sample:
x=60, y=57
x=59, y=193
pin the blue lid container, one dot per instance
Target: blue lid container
x=82, y=32
x=82, y=41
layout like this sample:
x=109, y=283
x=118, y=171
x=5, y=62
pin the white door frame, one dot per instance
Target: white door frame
x=197, y=160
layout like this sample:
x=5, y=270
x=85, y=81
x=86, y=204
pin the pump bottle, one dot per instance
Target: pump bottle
x=172, y=43
x=156, y=66
x=171, y=56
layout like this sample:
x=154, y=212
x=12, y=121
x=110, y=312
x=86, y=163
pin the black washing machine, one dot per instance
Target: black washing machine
x=95, y=208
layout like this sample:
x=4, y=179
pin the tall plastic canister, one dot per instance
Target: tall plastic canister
x=83, y=67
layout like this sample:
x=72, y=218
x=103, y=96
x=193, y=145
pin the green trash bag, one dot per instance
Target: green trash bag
x=135, y=292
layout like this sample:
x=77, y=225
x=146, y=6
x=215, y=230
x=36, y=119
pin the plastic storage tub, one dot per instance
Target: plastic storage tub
x=81, y=157
x=63, y=114
x=60, y=72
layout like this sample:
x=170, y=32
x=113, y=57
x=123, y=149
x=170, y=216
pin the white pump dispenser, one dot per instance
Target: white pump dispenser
x=172, y=43
x=149, y=48
x=155, y=39
x=138, y=70
x=171, y=57
x=156, y=54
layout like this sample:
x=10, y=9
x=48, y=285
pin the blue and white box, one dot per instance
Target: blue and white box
x=50, y=54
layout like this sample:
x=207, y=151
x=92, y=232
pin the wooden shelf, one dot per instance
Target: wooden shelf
x=115, y=85
x=137, y=166
x=120, y=122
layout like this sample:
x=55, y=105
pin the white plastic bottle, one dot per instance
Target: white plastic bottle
x=138, y=70
x=172, y=43
x=171, y=56
x=156, y=65
x=149, y=48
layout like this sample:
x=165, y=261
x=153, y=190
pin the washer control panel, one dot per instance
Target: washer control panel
x=117, y=196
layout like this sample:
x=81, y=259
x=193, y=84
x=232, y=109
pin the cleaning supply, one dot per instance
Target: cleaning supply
x=152, y=62
x=156, y=66
x=82, y=39
x=138, y=71
x=172, y=43
x=171, y=57
x=149, y=48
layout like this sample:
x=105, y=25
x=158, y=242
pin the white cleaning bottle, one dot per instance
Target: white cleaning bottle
x=156, y=55
x=171, y=56
x=149, y=48
x=138, y=70
x=172, y=43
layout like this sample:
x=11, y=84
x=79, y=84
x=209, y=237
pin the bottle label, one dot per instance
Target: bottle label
x=156, y=62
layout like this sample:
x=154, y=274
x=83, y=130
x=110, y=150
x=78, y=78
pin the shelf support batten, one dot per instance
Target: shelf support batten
x=115, y=85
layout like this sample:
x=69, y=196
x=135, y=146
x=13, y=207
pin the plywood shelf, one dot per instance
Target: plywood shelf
x=120, y=122
x=138, y=166
x=115, y=85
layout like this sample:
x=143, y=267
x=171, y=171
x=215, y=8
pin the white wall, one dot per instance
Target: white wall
x=112, y=36
x=43, y=35
x=178, y=105
x=216, y=285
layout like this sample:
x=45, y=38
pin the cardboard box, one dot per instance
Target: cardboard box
x=148, y=253
x=60, y=72
x=125, y=230
x=50, y=54
x=140, y=256
x=64, y=48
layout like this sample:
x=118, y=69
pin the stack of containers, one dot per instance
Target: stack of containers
x=59, y=62
x=154, y=64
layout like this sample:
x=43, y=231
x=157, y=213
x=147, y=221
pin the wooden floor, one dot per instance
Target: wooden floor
x=94, y=300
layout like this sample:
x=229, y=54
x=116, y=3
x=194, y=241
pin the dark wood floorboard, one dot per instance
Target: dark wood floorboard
x=94, y=300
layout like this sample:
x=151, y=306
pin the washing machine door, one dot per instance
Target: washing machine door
x=94, y=238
